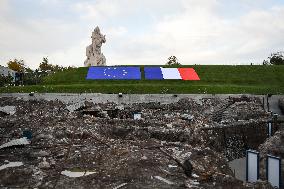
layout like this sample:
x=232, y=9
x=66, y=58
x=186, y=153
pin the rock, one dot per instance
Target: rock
x=187, y=117
x=43, y=136
x=16, y=142
x=44, y=164
x=16, y=178
x=144, y=157
x=8, y=110
x=119, y=107
x=74, y=107
x=40, y=154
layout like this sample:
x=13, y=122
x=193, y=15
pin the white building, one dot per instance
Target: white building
x=4, y=71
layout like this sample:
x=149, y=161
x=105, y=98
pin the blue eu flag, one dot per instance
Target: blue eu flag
x=114, y=73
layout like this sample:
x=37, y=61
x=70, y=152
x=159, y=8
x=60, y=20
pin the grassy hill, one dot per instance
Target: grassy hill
x=216, y=79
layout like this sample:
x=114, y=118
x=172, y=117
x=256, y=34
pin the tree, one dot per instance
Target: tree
x=16, y=65
x=173, y=61
x=5, y=80
x=44, y=65
x=275, y=59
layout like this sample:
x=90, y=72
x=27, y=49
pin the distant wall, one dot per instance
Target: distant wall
x=126, y=98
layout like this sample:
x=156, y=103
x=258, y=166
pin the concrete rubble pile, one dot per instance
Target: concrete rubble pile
x=273, y=146
x=102, y=146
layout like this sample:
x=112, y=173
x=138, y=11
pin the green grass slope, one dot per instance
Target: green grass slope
x=216, y=79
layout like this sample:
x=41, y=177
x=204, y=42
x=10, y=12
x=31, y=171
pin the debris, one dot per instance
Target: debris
x=187, y=117
x=195, y=175
x=41, y=153
x=144, y=157
x=178, y=141
x=137, y=116
x=44, y=164
x=172, y=166
x=186, y=165
x=194, y=182
x=11, y=164
x=164, y=180
x=73, y=107
x=76, y=174
x=119, y=107
x=119, y=186
x=16, y=142
x=43, y=136
x=8, y=110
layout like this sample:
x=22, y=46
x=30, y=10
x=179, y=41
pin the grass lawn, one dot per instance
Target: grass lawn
x=215, y=79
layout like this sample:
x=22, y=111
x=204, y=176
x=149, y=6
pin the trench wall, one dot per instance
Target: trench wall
x=234, y=140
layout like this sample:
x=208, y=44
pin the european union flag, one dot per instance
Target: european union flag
x=114, y=73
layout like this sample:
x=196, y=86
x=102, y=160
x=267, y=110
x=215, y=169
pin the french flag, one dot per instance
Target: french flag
x=159, y=73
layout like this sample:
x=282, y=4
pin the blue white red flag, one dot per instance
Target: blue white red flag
x=114, y=73
x=158, y=73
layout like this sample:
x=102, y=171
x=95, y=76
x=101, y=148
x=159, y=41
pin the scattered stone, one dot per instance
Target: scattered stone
x=40, y=154
x=187, y=117
x=43, y=136
x=119, y=186
x=76, y=174
x=11, y=164
x=73, y=107
x=44, y=164
x=16, y=142
x=8, y=110
x=105, y=138
x=163, y=180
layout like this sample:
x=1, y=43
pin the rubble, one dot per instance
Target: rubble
x=103, y=146
x=7, y=110
x=120, y=186
x=44, y=164
x=272, y=146
x=75, y=174
x=16, y=142
x=11, y=164
x=163, y=180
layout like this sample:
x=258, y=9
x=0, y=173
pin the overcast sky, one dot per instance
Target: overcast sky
x=142, y=31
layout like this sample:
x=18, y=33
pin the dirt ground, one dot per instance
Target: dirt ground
x=110, y=149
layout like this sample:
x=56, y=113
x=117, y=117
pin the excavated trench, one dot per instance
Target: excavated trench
x=184, y=127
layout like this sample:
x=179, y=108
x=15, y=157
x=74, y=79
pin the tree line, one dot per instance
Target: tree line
x=27, y=76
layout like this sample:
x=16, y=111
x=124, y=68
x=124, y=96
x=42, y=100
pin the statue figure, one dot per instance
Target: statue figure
x=93, y=51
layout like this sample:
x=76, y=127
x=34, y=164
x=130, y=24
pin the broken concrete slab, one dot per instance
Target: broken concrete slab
x=11, y=164
x=8, y=110
x=16, y=142
x=76, y=174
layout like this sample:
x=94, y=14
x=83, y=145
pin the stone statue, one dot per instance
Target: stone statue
x=93, y=51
